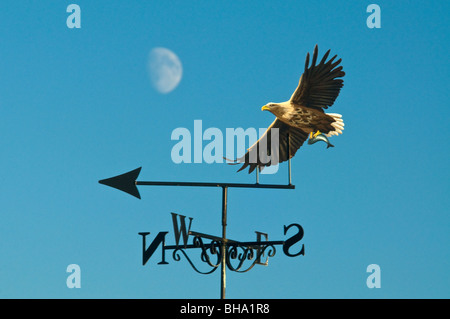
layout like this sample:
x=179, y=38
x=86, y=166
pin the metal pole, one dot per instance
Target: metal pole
x=289, y=157
x=223, y=284
x=289, y=164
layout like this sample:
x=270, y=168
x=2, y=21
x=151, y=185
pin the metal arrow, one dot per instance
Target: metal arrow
x=124, y=182
x=127, y=183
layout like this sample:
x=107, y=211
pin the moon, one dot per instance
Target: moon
x=165, y=69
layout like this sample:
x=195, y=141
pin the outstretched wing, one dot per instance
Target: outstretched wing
x=319, y=87
x=254, y=157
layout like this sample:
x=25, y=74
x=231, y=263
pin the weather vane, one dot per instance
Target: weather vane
x=224, y=249
x=301, y=117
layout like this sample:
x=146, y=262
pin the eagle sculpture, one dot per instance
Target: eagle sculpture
x=302, y=116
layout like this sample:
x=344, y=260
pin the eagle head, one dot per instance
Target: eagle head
x=269, y=107
x=277, y=109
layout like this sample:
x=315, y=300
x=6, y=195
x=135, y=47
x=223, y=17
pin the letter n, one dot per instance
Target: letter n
x=148, y=252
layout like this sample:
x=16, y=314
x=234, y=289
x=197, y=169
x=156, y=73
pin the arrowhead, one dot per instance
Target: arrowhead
x=125, y=182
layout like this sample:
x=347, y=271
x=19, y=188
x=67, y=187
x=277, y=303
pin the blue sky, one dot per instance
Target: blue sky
x=77, y=106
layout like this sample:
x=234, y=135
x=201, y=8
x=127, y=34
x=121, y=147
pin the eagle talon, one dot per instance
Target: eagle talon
x=317, y=133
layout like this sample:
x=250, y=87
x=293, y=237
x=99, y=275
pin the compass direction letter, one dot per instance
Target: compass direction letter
x=148, y=252
x=182, y=229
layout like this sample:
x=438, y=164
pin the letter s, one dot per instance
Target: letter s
x=292, y=240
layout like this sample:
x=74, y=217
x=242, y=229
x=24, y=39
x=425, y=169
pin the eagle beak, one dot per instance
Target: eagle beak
x=265, y=108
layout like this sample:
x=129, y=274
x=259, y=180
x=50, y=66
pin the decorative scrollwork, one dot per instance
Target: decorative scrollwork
x=213, y=248
x=236, y=254
x=247, y=253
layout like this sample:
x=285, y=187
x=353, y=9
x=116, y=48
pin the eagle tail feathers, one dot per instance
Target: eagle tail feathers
x=338, y=124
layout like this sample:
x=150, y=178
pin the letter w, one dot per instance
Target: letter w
x=182, y=229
